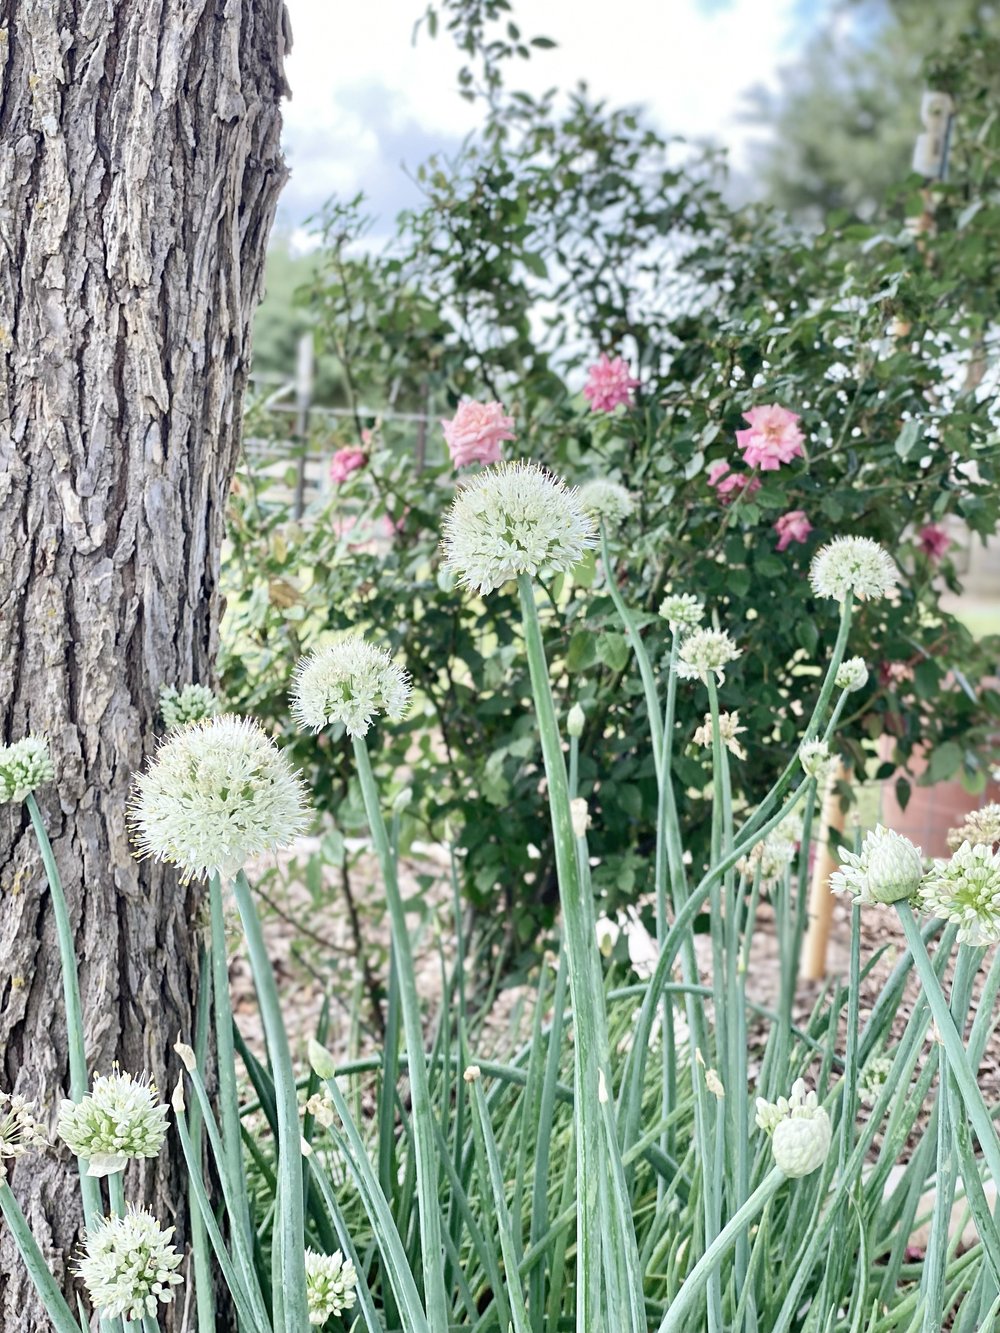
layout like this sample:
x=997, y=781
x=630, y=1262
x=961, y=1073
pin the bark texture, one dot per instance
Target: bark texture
x=140, y=167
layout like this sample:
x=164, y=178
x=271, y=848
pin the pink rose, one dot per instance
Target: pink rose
x=773, y=438
x=731, y=484
x=792, y=527
x=609, y=384
x=344, y=462
x=933, y=541
x=476, y=432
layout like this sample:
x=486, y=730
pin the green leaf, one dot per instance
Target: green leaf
x=613, y=650
x=945, y=761
x=908, y=438
x=582, y=651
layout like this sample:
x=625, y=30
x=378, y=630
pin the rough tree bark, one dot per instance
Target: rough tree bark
x=140, y=166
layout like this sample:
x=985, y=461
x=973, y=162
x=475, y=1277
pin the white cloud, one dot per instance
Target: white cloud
x=365, y=97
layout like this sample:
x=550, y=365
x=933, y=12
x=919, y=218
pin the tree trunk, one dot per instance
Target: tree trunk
x=140, y=167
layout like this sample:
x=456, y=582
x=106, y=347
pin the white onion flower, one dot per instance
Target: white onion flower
x=873, y=1079
x=607, y=502
x=24, y=767
x=980, y=827
x=607, y=932
x=330, y=1285
x=682, y=610
x=119, y=1119
x=20, y=1132
x=129, y=1266
x=216, y=794
x=729, y=731
x=816, y=760
x=854, y=566
x=192, y=703
x=703, y=652
x=966, y=891
x=580, y=816
x=350, y=682
x=770, y=858
x=887, y=869
x=800, y=1130
x=514, y=519
x=852, y=675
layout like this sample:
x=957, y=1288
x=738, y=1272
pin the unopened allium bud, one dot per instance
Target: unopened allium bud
x=216, y=794
x=607, y=935
x=580, y=817
x=20, y=1132
x=817, y=761
x=120, y=1118
x=714, y=1084
x=703, y=652
x=852, y=675
x=350, y=682
x=575, y=720
x=607, y=502
x=800, y=1145
x=800, y=1130
x=966, y=891
x=514, y=519
x=129, y=1265
x=472, y=1074
x=854, y=566
x=887, y=869
x=24, y=767
x=682, y=610
x=192, y=703
x=330, y=1285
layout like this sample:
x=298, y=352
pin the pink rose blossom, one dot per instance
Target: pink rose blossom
x=344, y=462
x=476, y=432
x=773, y=438
x=792, y=527
x=933, y=541
x=608, y=384
x=731, y=485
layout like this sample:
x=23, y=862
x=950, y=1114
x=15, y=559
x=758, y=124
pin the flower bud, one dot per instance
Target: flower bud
x=801, y=1143
x=580, y=816
x=575, y=720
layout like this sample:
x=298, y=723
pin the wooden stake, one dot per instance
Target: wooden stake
x=820, y=898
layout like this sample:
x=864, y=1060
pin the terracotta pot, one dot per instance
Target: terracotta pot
x=930, y=811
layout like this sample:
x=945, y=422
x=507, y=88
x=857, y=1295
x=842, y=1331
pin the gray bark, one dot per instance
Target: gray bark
x=140, y=167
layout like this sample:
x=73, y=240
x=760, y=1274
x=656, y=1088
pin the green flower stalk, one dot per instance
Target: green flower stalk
x=352, y=683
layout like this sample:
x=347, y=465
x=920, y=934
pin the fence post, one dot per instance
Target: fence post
x=303, y=401
x=831, y=819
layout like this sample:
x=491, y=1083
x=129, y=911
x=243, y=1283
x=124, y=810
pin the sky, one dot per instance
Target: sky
x=367, y=102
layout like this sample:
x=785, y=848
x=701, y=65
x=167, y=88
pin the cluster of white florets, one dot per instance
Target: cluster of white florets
x=514, y=519
x=330, y=1285
x=129, y=1266
x=853, y=566
x=887, y=869
x=216, y=794
x=24, y=767
x=351, y=682
x=607, y=502
x=120, y=1118
x=191, y=703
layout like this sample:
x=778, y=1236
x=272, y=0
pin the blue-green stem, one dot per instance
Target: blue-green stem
x=812, y=728
x=201, y=1256
x=289, y=1228
x=79, y=1080
x=229, y=1102
x=958, y=1061
x=425, y=1151
x=38, y=1270
x=591, y=1044
x=675, y=1320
